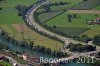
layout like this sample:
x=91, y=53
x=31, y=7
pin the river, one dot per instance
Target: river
x=32, y=52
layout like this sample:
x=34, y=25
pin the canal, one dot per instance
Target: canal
x=20, y=49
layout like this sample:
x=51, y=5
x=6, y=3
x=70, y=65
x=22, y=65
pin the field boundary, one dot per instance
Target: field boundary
x=80, y=4
x=84, y=11
x=52, y=17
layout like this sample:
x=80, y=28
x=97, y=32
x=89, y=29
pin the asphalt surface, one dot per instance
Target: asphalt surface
x=31, y=21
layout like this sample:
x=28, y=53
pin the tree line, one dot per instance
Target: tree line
x=31, y=45
x=81, y=48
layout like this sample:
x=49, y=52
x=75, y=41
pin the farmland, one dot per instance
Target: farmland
x=70, y=3
x=97, y=8
x=86, y=5
x=48, y=16
x=9, y=16
x=77, y=26
x=65, y=7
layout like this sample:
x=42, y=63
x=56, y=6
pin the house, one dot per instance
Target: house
x=26, y=56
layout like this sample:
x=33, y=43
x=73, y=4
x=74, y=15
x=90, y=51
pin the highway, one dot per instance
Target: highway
x=31, y=21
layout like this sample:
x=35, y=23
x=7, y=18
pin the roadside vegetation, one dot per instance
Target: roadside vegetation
x=81, y=48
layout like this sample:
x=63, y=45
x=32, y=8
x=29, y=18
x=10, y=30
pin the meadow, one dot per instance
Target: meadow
x=77, y=26
x=9, y=16
x=44, y=17
x=97, y=7
x=65, y=7
x=86, y=5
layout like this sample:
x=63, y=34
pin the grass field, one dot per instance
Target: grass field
x=63, y=7
x=86, y=5
x=4, y=63
x=8, y=16
x=49, y=15
x=76, y=25
x=97, y=7
x=72, y=31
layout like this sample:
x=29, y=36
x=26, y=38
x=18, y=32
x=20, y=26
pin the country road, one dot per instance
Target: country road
x=32, y=22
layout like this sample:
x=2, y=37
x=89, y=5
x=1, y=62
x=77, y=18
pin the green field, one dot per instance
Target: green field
x=63, y=7
x=97, y=7
x=49, y=15
x=72, y=31
x=86, y=5
x=75, y=27
x=9, y=16
x=4, y=63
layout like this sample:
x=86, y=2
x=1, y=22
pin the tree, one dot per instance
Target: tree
x=2, y=0
x=85, y=0
x=80, y=47
x=48, y=51
x=2, y=46
x=21, y=9
x=96, y=40
x=31, y=44
x=69, y=16
x=74, y=15
x=54, y=26
x=0, y=8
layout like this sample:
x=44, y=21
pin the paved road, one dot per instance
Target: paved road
x=32, y=22
x=85, y=11
x=77, y=55
x=38, y=27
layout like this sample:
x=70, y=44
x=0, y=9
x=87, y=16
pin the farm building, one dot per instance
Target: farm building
x=97, y=20
x=92, y=22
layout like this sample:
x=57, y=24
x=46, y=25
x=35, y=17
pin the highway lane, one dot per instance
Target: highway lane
x=32, y=22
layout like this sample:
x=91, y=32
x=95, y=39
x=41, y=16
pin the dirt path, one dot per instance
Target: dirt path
x=85, y=11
